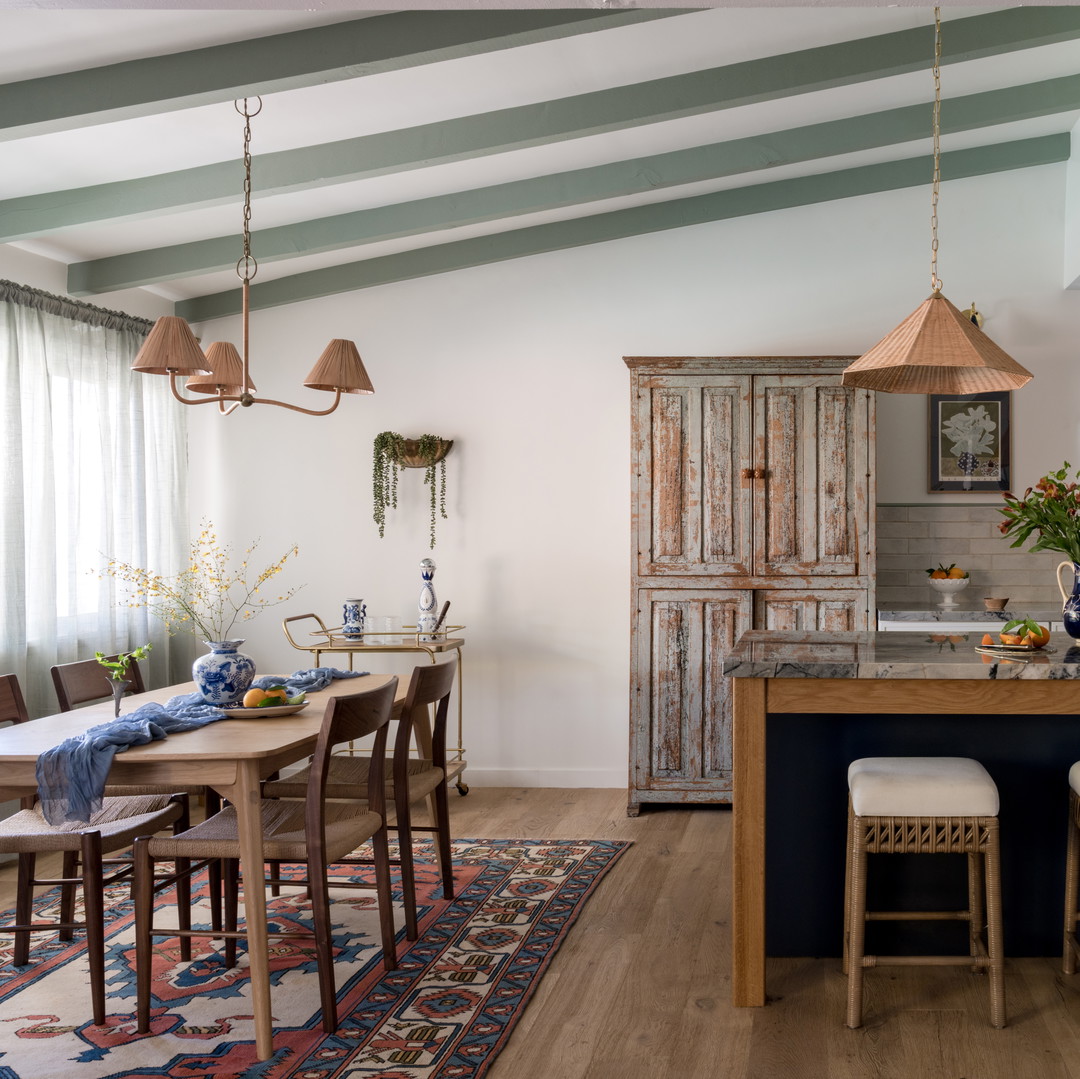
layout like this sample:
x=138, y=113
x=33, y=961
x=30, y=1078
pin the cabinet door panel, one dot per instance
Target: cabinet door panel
x=683, y=707
x=806, y=508
x=692, y=505
x=832, y=610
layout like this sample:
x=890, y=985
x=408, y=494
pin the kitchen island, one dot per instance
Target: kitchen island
x=804, y=704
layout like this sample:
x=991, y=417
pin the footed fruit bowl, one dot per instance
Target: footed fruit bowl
x=948, y=587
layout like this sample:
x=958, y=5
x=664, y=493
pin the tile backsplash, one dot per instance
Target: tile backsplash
x=912, y=537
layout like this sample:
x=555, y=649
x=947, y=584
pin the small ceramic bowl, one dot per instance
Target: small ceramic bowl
x=948, y=587
x=995, y=604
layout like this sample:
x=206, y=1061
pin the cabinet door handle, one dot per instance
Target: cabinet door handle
x=747, y=473
x=759, y=473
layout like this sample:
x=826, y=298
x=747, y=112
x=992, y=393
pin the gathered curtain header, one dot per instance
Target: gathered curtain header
x=76, y=310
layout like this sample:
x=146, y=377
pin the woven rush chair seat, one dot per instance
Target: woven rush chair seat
x=430, y=684
x=315, y=831
x=924, y=805
x=119, y=822
x=348, y=773
x=1072, y=874
x=115, y=827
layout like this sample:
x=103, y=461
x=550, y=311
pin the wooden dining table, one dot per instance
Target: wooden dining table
x=233, y=756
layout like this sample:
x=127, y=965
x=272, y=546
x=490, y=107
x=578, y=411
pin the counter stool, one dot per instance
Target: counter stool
x=1072, y=873
x=924, y=805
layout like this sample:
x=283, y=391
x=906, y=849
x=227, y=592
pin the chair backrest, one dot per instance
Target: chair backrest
x=346, y=719
x=431, y=683
x=12, y=705
x=86, y=680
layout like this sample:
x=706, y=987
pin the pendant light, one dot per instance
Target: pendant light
x=223, y=373
x=937, y=348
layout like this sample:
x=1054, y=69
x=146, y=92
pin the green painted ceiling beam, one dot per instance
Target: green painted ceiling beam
x=263, y=65
x=813, y=142
x=542, y=123
x=620, y=224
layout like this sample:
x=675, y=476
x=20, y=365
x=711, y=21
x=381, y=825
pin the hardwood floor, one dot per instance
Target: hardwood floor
x=640, y=988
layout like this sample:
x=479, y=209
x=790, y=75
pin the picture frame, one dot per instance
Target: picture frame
x=970, y=442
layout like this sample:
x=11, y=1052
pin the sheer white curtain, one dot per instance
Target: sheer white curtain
x=95, y=464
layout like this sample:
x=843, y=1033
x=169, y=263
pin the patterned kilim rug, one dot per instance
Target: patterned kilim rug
x=443, y=1015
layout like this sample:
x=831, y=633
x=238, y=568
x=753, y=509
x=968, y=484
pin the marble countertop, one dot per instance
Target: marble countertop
x=965, y=613
x=763, y=653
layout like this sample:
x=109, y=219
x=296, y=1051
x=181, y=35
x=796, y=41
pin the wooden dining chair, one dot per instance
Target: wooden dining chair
x=316, y=831
x=86, y=680
x=418, y=776
x=113, y=828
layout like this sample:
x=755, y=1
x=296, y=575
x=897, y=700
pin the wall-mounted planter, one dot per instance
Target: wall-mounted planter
x=411, y=454
x=392, y=452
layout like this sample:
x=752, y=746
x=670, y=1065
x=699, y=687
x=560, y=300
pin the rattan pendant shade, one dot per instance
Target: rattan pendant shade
x=936, y=349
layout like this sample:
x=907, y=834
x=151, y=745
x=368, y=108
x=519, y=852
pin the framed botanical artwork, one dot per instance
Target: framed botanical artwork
x=970, y=442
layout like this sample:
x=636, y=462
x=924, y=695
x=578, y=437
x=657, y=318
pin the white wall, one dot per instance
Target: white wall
x=521, y=364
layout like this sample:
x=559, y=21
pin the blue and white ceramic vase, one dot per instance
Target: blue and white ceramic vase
x=426, y=616
x=225, y=675
x=1070, y=612
x=354, y=612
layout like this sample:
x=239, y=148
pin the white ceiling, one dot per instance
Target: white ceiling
x=96, y=148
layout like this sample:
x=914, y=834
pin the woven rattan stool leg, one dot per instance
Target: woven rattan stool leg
x=857, y=924
x=994, y=936
x=1072, y=886
x=976, y=905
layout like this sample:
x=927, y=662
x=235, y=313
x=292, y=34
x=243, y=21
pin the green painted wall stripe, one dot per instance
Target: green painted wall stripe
x=321, y=54
x=581, y=186
x=619, y=224
x=542, y=123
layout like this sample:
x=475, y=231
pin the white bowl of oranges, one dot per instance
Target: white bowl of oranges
x=948, y=580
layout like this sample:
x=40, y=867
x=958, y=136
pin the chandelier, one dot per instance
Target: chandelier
x=223, y=373
x=937, y=348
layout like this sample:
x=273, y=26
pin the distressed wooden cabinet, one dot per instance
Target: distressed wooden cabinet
x=752, y=507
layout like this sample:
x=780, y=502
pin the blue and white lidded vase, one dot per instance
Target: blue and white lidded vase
x=354, y=613
x=426, y=616
x=225, y=675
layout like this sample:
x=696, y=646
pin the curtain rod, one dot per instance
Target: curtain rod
x=75, y=310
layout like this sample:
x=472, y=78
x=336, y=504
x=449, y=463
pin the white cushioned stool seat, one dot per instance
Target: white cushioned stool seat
x=922, y=787
x=1074, y=777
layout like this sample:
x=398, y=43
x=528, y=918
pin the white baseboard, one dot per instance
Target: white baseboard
x=541, y=777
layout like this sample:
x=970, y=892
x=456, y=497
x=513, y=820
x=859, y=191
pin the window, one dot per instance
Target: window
x=94, y=465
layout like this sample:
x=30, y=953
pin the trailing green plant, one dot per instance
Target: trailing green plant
x=118, y=667
x=387, y=453
x=389, y=450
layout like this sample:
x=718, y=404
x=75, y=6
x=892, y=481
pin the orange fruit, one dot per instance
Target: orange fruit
x=939, y=575
x=1009, y=638
x=1040, y=641
x=987, y=639
x=254, y=697
x=956, y=572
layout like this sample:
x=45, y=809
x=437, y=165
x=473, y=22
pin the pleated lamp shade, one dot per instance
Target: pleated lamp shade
x=340, y=368
x=170, y=346
x=226, y=372
x=936, y=350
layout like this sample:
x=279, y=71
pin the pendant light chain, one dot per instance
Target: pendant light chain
x=247, y=267
x=935, y=281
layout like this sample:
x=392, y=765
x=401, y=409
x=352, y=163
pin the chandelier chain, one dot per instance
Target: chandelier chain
x=935, y=281
x=247, y=267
